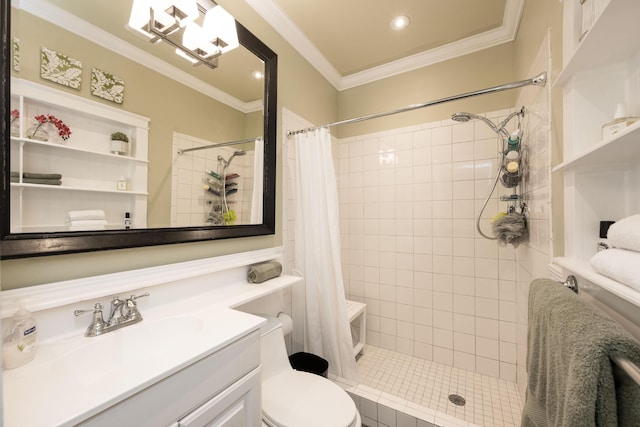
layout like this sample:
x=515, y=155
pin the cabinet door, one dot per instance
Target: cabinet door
x=237, y=406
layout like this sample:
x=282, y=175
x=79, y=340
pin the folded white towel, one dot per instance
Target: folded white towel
x=625, y=233
x=620, y=265
x=87, y=214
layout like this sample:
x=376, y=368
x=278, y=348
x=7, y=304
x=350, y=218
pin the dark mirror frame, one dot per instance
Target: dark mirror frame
x=23, y=245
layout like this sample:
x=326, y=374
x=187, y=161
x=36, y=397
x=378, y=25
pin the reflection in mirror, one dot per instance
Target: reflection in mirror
x=231, y=182
x=180, y=176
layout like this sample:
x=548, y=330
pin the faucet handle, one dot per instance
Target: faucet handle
x=135, y=297
x=97, y=325
x=132, y=307
x=96, y=309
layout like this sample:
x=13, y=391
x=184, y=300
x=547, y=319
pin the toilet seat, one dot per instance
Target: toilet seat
x=294, y=399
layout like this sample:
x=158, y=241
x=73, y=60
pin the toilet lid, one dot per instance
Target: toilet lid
x=294, y=399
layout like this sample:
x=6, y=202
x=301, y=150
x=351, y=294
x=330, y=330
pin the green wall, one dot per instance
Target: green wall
x=298, y=83
x=304, y=91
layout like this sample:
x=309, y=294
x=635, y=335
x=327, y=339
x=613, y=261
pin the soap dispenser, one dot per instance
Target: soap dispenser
x=19, y=339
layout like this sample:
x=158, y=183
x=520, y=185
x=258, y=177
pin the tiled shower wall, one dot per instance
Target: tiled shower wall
x=434, y=287
x=190, y=203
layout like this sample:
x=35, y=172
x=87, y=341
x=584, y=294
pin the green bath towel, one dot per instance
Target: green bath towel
x=263, y=271
x=572, y=379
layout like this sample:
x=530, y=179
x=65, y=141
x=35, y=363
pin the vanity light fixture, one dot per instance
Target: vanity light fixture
x=400, y=22
x=175, y=22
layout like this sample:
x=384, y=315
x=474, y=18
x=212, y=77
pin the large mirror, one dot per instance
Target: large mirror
x=140, y=147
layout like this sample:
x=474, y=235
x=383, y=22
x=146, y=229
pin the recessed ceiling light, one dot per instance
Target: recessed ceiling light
x=400, y=22
x=257, y=74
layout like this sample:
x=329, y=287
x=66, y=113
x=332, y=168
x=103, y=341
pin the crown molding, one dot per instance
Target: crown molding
x=82, y=28
x=271, y=13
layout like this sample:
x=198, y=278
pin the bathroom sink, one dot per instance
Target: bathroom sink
x=98, y=356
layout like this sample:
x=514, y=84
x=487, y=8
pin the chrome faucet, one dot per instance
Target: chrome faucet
x=117, y=318
x=115, y=314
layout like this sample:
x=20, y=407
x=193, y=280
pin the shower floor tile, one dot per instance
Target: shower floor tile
x=489, y=401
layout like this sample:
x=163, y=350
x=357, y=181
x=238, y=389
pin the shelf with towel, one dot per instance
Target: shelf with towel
x=92, y=177
x=583, y=269
x=600, y=175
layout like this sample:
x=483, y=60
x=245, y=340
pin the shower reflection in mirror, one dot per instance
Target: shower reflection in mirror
x=216, y=184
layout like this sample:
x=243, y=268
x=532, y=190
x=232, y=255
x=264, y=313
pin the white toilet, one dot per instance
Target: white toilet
x=293, y=398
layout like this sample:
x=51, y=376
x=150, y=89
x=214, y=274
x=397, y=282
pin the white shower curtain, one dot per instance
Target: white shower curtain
x=317, y=253
x=256, y=197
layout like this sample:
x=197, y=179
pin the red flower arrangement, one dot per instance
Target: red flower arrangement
x=15, y=114
x=63, y=130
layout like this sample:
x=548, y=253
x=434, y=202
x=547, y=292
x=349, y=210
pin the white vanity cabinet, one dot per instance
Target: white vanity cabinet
x=90, y=172
x=601, y=176
x=222, y=389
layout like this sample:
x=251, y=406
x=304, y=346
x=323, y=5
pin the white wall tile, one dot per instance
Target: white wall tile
x=434, y=288
x=488, y=348
x=487, y=328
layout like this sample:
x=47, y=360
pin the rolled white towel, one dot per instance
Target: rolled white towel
x=620, y=265
x=86, y=215
x=625, y=233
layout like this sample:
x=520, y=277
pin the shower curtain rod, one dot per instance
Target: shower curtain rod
x=539, y=80
x=222, y=144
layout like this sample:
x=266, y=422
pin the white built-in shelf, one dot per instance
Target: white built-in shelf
x=78, y=149
x=601, y=177
x=56, y=228
x=607, y=41
x=622, y=147
x=90, y=172
x=583, y=269
x=68, y=188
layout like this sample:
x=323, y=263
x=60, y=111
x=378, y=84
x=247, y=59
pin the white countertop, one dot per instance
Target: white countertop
x=62, y=386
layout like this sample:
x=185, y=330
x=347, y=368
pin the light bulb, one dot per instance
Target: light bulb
x=400, y=22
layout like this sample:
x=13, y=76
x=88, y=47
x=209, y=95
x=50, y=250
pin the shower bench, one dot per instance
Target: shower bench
x=357, y=314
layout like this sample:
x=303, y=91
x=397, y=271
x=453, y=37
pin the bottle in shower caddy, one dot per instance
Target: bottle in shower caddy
x=513, y=144
x=512, y=161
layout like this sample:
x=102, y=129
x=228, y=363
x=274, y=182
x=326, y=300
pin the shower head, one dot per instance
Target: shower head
x=461, y=117
x=228, y=162
x=499, y=129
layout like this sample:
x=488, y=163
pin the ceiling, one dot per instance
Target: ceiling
x=351, y=41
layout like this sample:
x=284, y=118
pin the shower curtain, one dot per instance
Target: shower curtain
x=317, y=253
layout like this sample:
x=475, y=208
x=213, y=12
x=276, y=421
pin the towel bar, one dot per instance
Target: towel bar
x=629, y=367
x=626, y=365
x=571, y=283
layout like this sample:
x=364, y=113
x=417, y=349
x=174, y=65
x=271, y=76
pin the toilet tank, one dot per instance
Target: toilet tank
x=273, y=352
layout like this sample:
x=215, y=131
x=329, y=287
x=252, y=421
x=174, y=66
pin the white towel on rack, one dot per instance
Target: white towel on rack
x=625, y=233
x=91, y=214
x=620, y=265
